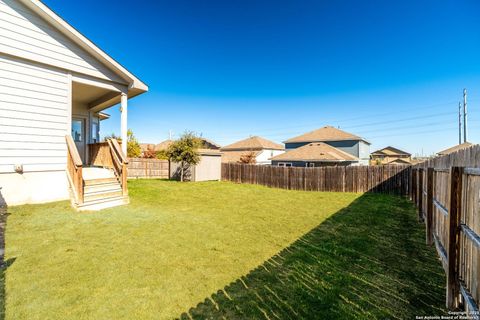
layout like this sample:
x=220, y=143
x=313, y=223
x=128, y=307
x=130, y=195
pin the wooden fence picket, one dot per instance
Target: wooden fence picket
x=387, y=179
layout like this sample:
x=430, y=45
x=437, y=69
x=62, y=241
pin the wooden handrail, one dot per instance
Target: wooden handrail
x=74, y=169
x=119, y=151
x=120, y=162
x=72, y=150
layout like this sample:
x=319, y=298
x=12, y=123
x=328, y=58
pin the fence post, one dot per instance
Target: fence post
x=414, y=185
x=410, y=183
x=420, y=194
x=454, y=212
x=429, y=213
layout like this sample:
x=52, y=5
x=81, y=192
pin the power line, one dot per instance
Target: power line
x=283, y=133
x=336, y=121
x=415, y=133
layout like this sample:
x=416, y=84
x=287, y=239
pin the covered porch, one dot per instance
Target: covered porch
x=97, y=170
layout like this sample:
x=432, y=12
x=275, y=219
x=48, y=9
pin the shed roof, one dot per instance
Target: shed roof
x=253, y=143
x=327, y=133
x=315, y=151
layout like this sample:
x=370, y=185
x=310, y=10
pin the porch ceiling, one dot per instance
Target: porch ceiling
x=84, y=93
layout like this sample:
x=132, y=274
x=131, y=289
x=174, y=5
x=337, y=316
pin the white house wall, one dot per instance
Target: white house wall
x=34, y=118
x=24, y=34
x=263, y=157
x=33, y=187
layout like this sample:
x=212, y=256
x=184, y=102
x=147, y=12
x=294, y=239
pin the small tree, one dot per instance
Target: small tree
x=162, y=155
x=112, y=136
x=248, y=158
x=184, y=151
x=133, y=147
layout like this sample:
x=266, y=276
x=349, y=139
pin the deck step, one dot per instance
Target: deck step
x=103, y=203
x=90, y=182
x=103, y=187
x=102, y=195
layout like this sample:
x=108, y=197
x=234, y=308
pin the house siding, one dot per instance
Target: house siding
x=24, y=34
x=317, y=163
x=364, y=153
x=34, y=116
x=263, y=158
x=359, y=149
x=348, y=146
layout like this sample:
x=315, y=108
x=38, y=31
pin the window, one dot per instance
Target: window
x=94, y=132
x=284, y=164
x=77, y=130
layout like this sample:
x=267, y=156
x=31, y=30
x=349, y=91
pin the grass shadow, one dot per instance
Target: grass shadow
x=367, y=261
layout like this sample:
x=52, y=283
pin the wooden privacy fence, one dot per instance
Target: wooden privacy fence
x=381, y=179
x=148, y=168
x=448, y=201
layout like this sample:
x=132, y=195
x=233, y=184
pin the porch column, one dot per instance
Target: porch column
x=123, y=127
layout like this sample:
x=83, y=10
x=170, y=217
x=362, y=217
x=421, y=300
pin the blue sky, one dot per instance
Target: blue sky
x=390, y=71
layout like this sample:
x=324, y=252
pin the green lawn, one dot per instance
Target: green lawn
x=217, y=249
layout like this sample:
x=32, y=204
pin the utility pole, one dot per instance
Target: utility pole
x=170, y=134
x=459, y=122
x=464, y=115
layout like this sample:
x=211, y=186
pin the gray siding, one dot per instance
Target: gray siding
x=364, y=152
x=317, y=164
x=348, y=146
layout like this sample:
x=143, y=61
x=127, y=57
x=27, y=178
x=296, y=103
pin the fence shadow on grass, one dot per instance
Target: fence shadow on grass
x=4, y=264
x=367, y=261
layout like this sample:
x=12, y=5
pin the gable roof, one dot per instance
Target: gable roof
x=327, y=133
x=164, y=145
x=390, y=151
x=397, y=161
x=315, y=151
x=209, y=144
x=455, y=148
x=136, y=86
x=253, y=143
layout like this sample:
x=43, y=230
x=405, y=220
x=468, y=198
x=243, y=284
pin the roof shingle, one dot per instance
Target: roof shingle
x=253, y=143
x=390, y=151
x=327, y=133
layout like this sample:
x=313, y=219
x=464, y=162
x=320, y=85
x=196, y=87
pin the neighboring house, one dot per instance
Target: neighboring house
x=354, y=145
x=261, y=149
x=164, y=145
x=455, y=148
x=315, y=154
x=390, y=155
x=54, y=85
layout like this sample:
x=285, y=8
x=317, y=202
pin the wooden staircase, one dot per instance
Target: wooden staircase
x=102, y=185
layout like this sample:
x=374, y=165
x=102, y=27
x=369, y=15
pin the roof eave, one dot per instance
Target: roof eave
x=50, y=16
x=313, y=160
x=326, y=140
